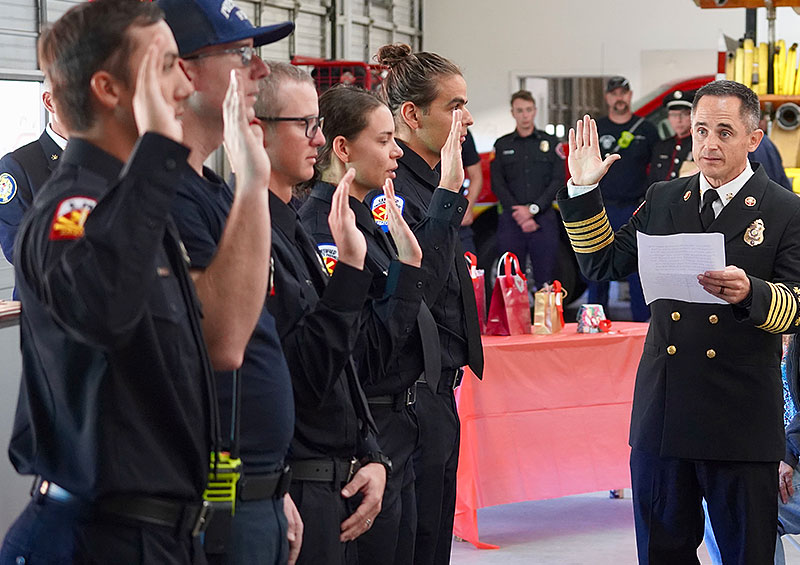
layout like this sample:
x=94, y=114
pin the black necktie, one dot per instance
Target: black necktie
x=707, y=210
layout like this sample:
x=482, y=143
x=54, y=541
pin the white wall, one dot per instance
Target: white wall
x=649, y=41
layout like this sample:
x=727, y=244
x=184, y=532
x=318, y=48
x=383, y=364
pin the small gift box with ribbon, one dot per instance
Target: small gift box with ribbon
x=592, y=319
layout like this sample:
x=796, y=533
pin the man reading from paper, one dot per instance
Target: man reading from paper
x=707, y=410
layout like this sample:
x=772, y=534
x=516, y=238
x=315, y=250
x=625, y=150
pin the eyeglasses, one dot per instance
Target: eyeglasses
x=245, y=52
x=313, y=123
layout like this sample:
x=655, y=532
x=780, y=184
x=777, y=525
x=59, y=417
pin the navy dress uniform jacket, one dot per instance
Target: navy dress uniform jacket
x=709, y=381
x=22, y=173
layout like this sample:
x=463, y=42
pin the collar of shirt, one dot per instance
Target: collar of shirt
x=60, y=141
x=283, y=216
x=324, y=191
x=727, y=191
x=85, y=154
x=534, y=134
x=419, y=166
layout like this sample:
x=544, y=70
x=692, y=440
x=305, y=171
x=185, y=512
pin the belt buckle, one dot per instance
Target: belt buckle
x=457, y=378
x=411, y=395
x=203, y=518
x=353, y=469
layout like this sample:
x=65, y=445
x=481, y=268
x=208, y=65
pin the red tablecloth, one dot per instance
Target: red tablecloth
x=549, y=419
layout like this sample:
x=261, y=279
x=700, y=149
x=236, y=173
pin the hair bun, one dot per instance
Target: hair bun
x=392, y=55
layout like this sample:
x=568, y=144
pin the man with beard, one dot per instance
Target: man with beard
x=623, y=188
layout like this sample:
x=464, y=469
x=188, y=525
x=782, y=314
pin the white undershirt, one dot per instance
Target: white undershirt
x=60, y=141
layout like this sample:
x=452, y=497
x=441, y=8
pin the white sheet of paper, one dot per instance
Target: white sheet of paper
x=669, y=265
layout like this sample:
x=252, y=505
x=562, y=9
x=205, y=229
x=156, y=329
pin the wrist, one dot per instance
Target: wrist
x=533, y=209
x=377, y=457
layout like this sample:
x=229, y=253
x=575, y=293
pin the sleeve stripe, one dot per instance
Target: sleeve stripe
x=590, y=228
x=590, y=246
x=589, y=236
x=782, y=309
x=582, y=223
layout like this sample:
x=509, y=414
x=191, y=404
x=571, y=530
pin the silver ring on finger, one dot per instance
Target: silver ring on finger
x=369, y=522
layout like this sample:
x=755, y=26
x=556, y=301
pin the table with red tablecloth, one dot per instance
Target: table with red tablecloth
x=549, y=419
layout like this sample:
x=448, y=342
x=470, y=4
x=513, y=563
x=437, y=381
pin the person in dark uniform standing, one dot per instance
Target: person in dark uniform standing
x=338, y=470
x=670, y=154
x=117, y=411
x=359, y=134
x=227, y=237
x=526, y=173
x=427, y=96
x=24, y=171
x=632, y=138
x=473, y=185
x=707, y=417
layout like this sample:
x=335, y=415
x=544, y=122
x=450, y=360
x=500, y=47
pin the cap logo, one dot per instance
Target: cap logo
x=226, y=8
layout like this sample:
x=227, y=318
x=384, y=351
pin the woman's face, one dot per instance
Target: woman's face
x=373, y=152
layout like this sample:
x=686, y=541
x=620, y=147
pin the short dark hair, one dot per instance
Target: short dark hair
x=523, y=95
x=346, y=110
x=90, y=37
x=750, y=110
x=412, y=77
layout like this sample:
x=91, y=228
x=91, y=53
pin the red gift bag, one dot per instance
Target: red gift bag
x=510, y=309
x=478, y=286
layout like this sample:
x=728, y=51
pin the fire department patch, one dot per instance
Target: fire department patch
x=330, y=255
x=561, y=150
x=379, y=212
x=8, y=188
x=70, y=217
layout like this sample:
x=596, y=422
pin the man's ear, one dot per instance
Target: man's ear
x=755, y=140
x=105, y=89
x=47, y=100
x=340, y=148
x=411, y=115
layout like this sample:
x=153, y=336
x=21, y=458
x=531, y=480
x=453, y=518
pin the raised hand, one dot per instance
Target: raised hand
x=452, y=166
x=585, y=163
x=151, y=111
x=408, y=249
x=243, y=141
x=342, y=221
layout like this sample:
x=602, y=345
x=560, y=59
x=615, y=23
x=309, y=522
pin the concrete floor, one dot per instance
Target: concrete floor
x=585, y=529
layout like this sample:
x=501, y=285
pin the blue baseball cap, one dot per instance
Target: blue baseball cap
x=200, y=23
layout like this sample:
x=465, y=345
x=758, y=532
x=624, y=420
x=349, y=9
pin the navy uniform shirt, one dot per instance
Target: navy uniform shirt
x=389, y=354
x=527, y=170
x=117, y=394
x=267, y=409
x=668, y=156
x=449, y=292
x=22, y=172
x=626, y=181
x=318, y=319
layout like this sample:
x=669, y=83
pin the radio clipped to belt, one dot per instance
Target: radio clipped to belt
x=224, y=474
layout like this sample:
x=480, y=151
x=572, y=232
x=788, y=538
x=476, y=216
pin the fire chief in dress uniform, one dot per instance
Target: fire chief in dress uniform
x=707, y=407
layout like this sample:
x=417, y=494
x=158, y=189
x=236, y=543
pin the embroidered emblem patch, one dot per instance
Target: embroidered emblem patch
x=379, y=212
x=70, y=217
x=330, y=255
x=754, y=235
x=8, y=188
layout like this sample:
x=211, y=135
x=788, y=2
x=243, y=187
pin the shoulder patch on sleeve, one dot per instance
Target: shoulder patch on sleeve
x=379, y=212
x=8, y=188
x=561, y=151
x=330, y=255
x=70, y=217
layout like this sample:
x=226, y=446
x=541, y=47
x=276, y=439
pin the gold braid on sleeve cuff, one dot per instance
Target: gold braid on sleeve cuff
x=588, y=236
x=782, y=309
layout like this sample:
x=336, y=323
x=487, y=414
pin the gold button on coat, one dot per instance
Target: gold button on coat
x=671, y=350
x=713, y=319
x=711, y=353
x=676, y=316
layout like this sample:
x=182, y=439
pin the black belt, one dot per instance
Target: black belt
x=185, y=518
x=450, y=380
x=396, y=401
x=338, y=471
x=261, y=487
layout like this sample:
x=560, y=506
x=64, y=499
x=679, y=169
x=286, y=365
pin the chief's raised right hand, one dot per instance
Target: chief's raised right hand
x=586, y=167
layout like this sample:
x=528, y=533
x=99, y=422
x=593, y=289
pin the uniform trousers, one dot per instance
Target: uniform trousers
x=668, y=510
x=258, y=534
x=541, y=245
x=618, y=216
x=391, y=537
x=435, y=465
x=55, y=533
x=323, y=509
